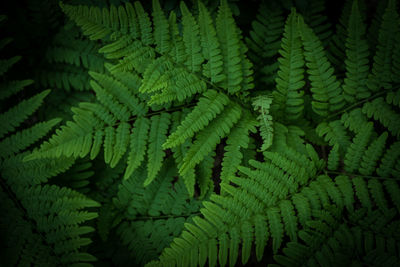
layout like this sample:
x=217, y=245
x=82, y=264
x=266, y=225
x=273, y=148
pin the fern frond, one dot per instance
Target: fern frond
x=329, y=242
x=191, y=166
x=372, y=155
x=381, y=111
x=354, y=120
x=378, y=195
x=210, y=136
x=389, y=160
x=154, y=214
x=176, y=84
x=23, y=139
x=325, y=88
x=345, y=186
x=6, y=64
x=13, y=117
x=46, y=222
x=121, y=143
x=78, y=177
x=106, y=124
x=131, y=52
x=334, y=133
x=264, y=41
x=210, y=46
x=157, y=136
x=355, y=151
x=67, y=61
x=137, y=145
x=180, y=152
x=373, y=30
x=204, y=174
x=118, y=88
x=99, y=23
x=58, y=230
x=59, y=104
x=393, y=98
x=10, y=88
x=209, y=106
x=361, y=191
x=287, y=136
x=137, y=57
x=357, y=54
x=161, y=36
x=289, y=82
x=392, y=187
x=68, y=218
x=381, y=72
x=118, y=111
x=72, y=139
x=232, y=52
x=254, y=203
x=175, y=65
x=334, y=158
x=237, y=139
x=313, y=13
x=144, y=22
x=336, y=51
x=262, y=104
x=191, y=39
x=17, y=172
x=63, y=76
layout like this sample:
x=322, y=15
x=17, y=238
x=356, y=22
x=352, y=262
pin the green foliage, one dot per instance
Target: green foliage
x=288, y=96
x=149, y=225
x=325, y=88
x=68, y=60
x=382, y=67
x=328, y=242
x=265, y=39
x=42, y=224
x=357, y=58
x=193, y=133
x=262, y=104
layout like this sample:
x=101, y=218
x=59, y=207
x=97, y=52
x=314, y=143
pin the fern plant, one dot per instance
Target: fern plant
x=263, y=205
x=43, y=223
x=207, y=66
x=193, y=134
x=328, y=242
